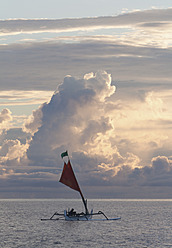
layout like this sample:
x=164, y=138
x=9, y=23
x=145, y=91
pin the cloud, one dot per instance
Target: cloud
x=141, y=28
x=21, y=97
x=136, y=55
x=61, y=25
x=33, y=122
x=84, y=117
x=77, y=119
x=112, y=143
x=5, y=172
x=5, y=119
x=117, y=131
x=12, y=152
x=74, y=118
x=161, y=164
x=5, y=115
x=159, y=173
x=46, y=64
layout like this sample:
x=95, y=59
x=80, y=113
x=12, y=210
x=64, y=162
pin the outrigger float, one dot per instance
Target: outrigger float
x=68, y=178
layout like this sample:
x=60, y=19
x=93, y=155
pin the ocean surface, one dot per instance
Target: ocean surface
x=144, y=223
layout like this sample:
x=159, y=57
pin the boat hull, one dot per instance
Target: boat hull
x=76, y=217
x=80, y=217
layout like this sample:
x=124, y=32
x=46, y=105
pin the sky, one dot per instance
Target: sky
x=93, y=78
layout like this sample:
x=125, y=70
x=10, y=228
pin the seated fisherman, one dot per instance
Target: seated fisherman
x=72, y=212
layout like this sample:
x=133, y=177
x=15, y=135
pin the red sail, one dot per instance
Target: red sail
x=68, y=177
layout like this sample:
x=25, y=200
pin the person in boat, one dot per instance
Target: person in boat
x=72, y=212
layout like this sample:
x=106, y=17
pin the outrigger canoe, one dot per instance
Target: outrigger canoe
x=69, y=179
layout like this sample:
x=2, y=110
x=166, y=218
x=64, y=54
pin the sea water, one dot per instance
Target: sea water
x=143, y=223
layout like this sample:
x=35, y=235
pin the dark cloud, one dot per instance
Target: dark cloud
x=41, y=66
x=159, y=173
x=156, y=25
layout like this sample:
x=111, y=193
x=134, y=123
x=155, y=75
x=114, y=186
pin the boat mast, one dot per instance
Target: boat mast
x=85, y=202
x=68, y=178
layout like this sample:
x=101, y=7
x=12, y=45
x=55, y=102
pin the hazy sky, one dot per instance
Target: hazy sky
x=92, y=77
x=76, y=8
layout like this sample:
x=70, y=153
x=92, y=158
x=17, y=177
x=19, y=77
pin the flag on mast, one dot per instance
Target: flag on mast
x=64, y=154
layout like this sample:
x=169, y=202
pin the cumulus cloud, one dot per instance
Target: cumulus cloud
x=158, y=173
x=161, y=164
x=74, y=118
x=85, y=116
x=5, y=119
x=33, y=122
x=5, y=115
x=12, y=152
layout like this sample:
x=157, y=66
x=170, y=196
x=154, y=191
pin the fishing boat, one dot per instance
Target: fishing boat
x=68, y=178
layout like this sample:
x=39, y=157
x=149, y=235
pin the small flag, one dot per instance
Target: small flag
x=64, y=154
